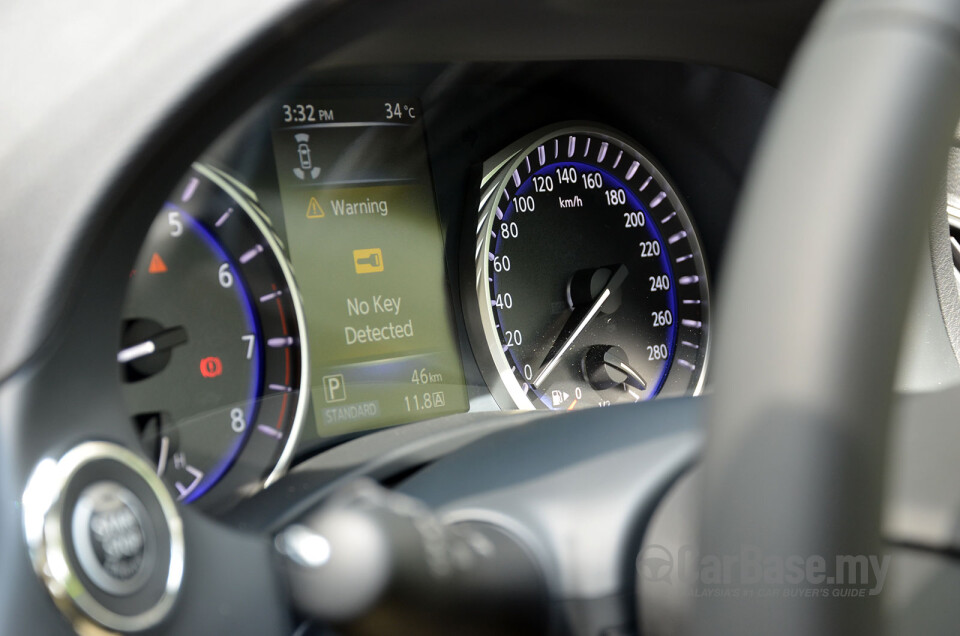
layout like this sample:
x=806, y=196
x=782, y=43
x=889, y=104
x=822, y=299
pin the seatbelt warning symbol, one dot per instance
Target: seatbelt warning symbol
x=314, y=209
x=368, y=261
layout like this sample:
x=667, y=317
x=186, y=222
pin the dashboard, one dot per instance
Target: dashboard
x=371, y=249
x=257, y=251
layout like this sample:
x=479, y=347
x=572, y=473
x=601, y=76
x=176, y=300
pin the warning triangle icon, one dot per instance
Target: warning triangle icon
x=314, y=210
x=157, y=266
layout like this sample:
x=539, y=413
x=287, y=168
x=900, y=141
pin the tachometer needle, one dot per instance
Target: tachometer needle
x=166, y=339
x=138, y=350
x=568, y=335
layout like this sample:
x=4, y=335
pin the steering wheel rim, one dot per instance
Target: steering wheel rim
x=847, y=171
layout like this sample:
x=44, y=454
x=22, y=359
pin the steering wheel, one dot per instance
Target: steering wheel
x=819, y=278
x=817, y=286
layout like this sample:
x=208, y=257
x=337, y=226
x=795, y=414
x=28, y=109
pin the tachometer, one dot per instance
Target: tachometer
x=590, y=282
x=212, y=349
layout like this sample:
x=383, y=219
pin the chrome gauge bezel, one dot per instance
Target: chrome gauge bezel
x=245, y=198
x=506, y=388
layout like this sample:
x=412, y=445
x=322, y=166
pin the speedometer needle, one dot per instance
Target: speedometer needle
x=575, y=326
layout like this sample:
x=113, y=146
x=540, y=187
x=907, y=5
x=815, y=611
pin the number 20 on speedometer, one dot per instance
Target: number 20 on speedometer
x=590, y=283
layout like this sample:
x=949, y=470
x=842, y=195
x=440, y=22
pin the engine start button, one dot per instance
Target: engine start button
x=105, y=538
x=113, y=538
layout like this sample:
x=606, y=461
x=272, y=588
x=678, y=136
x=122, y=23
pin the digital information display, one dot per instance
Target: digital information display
x=367, y=251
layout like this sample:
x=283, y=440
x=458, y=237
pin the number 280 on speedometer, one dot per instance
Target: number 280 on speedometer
x=590, y=280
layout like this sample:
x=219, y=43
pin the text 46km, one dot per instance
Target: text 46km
x=423, y=376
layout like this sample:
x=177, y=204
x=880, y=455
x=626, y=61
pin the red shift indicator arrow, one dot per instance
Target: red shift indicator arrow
x=157, y=266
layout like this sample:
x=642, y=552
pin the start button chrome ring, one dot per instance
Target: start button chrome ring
x=105, y=538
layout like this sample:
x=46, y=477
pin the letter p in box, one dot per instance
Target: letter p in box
x=334, y=389
x=368, y=261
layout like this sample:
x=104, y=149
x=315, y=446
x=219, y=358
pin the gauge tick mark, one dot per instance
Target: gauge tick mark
x=270, y=432
x=223, y=218
x=250, y=254
x=190, y=190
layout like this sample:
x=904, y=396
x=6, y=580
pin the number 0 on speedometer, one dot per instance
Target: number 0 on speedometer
x=590, y=280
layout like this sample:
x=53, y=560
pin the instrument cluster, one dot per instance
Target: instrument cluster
x=353, y=255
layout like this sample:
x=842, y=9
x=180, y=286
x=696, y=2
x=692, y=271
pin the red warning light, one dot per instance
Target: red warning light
x=211, y=367
x=157, y=266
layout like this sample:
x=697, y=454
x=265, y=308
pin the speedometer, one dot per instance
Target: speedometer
x=591, y=287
